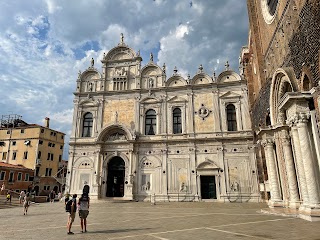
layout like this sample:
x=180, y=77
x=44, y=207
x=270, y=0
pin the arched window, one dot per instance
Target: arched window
x=177, y=127
x=306, y=85
x=231, y=118
x=150, y=127
x=87, y=125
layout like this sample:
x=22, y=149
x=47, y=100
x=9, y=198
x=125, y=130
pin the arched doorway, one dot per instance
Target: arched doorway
x=115, y=179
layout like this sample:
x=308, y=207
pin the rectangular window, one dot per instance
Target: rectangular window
x=51, y=133
x=48, y=172
x=37, y=171
x=11, y=177
x=60, y=158
x=26, y=177
x=4, y=156
x=46, y=188
x=19, y=176
x=40, y=142
x=50, y=156
x=61, y=136
x=25, y=155
x=39, y=155
x=49, y=144
x=2, y=175
x=54, y=134
x=42, y=130
x=22, y=131
x=8, y=131
x=61, y=146
x=14, y=143
x=53, y=145
x=14, y=155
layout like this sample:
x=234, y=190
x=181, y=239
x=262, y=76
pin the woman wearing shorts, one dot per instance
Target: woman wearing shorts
x=26, y=203
x=83, y=203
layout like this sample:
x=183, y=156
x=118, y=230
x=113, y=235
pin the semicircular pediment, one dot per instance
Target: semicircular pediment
x=208, y=164
x=228, y=76
x=175, y=81
x=201, y=78
x=120, y=53
x=115, y=132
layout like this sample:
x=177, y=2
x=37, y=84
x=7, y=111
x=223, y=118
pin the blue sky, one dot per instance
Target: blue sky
x=43, y=45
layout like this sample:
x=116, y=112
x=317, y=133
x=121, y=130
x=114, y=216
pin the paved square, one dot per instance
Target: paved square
x=138, y=220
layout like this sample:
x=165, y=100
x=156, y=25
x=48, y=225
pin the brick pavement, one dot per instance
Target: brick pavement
x=174, y=221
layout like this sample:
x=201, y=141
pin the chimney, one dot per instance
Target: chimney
x=46, y=122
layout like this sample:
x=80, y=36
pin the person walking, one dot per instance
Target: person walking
x=71, y=208
x=52, y=195
x=21, y=196
x=3, y=188
x=26, y=203
x=84, y=202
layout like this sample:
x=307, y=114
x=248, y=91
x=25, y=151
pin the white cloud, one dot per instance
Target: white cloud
x=43, y=44
x=52, y=6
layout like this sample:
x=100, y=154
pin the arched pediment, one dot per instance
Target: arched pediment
x=207, y=164
x=83, y=163
x=175, y=81
x=228, y=76
x=88, y=102
x=149, y=162
x=115, y=132
x=90, y=74
x=201, y=78
x=120, y=53
x=151, y=69
x=283, y=81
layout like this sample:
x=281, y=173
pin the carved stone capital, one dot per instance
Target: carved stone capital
x=269, y=142
x=303, y=117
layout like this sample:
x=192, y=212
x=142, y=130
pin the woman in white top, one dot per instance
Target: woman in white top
x=26, y=203
x=83, y=203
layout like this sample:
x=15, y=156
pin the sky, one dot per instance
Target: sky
x=44, y=44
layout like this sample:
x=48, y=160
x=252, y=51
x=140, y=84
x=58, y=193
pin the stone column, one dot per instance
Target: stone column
x=272, y=170
x=308, y=160
x=290, y=169
x=300, y=167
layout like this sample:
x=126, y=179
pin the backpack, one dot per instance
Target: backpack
x=68, y=205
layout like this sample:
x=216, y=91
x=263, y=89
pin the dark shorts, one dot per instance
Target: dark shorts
x=83, y=214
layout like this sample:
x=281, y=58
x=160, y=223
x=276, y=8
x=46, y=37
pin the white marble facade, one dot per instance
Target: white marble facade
x=292, y=147
x=140, y=133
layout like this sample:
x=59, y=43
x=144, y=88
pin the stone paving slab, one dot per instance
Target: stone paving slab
x=173, y=221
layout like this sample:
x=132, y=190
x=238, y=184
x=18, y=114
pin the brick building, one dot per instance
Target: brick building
x=16, y=177
x=281, y=65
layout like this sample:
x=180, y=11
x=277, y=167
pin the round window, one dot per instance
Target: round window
x=269, y=8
